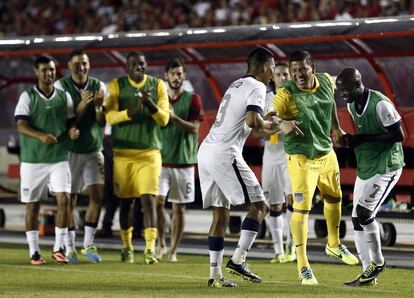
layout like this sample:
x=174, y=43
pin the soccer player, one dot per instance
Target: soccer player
x=85, y=154
x=380, y=161
x=179, y=156
x=309, y=99
x=137, y=107
x=225, y=177
x=42, y=115
x=275, y=178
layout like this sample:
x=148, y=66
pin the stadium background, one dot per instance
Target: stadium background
x=382, y=48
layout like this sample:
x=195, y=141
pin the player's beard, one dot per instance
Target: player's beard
x=175, y=86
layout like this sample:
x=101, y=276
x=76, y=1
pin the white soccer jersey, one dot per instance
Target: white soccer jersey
x=230, y=129
x=273, y=152
x=386, y=112
x=23, y=105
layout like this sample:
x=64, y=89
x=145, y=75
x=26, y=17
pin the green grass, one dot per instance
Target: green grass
x=188, y=278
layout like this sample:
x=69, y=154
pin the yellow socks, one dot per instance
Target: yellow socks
x=299, y=228
x=332, y=213
x=150, y=235
x=126, y=237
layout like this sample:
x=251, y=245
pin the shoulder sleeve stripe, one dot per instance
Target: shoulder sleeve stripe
x=21, y=117
x=253, y=108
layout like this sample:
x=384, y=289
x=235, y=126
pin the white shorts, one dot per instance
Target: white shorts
x=87, y=169
x=178, y=183
x=226, y=179
x=276, y=182
x=372, y=192
x=36, y=178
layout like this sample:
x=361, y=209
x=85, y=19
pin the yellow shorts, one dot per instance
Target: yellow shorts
x=306, y=174
x=136, y=172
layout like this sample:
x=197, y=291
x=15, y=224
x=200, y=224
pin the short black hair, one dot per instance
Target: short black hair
x=43, y=59
x=258, y=57
x=282, y=64
x=300, y=56
x=173, y=63
x=76, y=52
x=135, y=54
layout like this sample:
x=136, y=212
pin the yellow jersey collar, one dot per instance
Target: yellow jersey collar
x=314, y=89
x=140, y=84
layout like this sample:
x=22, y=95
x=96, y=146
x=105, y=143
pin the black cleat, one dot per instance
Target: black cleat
x=221, y=283
x=371, y=273
x=357, y=283
x=242, y=270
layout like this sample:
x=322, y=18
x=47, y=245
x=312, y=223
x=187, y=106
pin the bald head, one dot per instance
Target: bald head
x=349, y=84
x=349, y=75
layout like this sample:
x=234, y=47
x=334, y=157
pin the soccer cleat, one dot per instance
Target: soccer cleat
x=221, y=283
x=59, y=257
x=37, y=259
x=306, y=277
x=290, y=254
x=356, y=283
x=278, y=259
x=149, y=257
x=242, y=270
x=127, y=255
x=73, y=258
x=371, y=273
x=160, y=252
x=91, y=252
x=342, y=253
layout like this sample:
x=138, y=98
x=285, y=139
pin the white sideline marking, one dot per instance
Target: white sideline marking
x=178, y=276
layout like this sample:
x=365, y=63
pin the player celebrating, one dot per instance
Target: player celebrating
x=225, y=178
x=42, y=115
x=275, y=179
x=309, y=99
x=137, y=107
x=85, y=157
x=380, y=160
x=179, y=155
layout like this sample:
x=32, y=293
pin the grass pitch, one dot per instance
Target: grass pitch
x=187, y=278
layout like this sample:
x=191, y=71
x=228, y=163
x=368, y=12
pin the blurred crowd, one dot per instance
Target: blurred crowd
x=50, y=17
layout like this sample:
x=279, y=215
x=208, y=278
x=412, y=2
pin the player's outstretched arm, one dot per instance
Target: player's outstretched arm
x=337, y=131
x=393, y=134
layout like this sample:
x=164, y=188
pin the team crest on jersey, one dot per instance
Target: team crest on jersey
x=298, y=197
x=390, y=117
x=236, y=84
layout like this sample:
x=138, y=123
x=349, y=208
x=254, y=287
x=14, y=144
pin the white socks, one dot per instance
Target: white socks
x=276, y=224
x=216, y=259
x=372, y=234
x=246, y=240
x=89, y=236
x=33, y=241
x=70, y=242
x=363, y=249
x=60, y=234
x=289, y=238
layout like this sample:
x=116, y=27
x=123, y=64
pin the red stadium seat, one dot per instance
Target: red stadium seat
x=13, y=171
x=407, y=178
x=209, y=117
x=257, y=170
x=348, y=176
x=346, y=122
x=408, y=119
x=253, y=141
